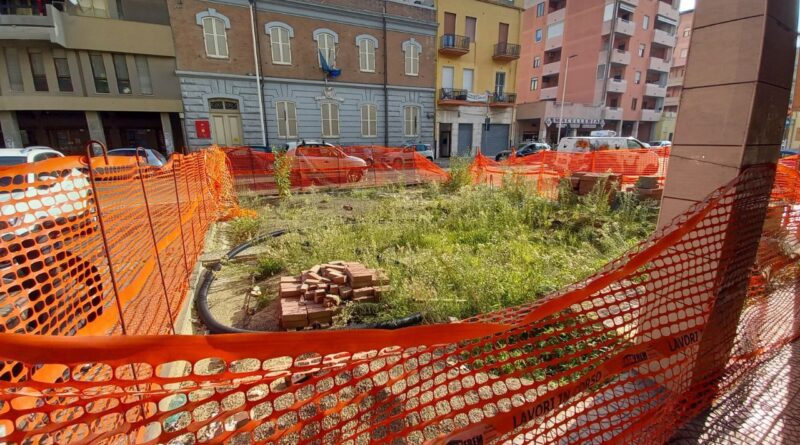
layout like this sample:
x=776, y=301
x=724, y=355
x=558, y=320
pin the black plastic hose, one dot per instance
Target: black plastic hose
x=215, y=327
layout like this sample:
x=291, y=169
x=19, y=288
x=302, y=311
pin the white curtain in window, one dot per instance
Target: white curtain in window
x=412, y=60
x=366, y=55
x=287, y=119
x=281, y=46
x=327, y=45
x=369, y=120
x=411, y=121
x=215, y=38
x=330, y=120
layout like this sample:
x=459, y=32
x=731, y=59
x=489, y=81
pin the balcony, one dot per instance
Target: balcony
x=27, y=20
x=623, y=27
x=453, y=45
x=668, y=11
x=548, y=93
x=552, y=68
x=660, y=65
x=617, y=85
x=506, y=52
x=502, y=99
x=651, y=115
x=556, y=16
x=633, y=3
x=675, y=81
x=655, y=90
x=446, y=94
x=553, y=42
x=673, y=101
x=664, y=38
x=621, y=57
x=612, y=113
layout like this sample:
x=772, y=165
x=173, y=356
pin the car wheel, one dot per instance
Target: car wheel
x=397, y=164
x=429, y=158
x=370, y=162
x=354, y=176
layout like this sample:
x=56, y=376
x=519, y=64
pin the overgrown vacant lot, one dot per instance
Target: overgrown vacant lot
x=449, y=253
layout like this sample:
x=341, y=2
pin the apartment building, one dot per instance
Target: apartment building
x=379, y=88
x=665, y=129
x=588, y=65
x=477, y=74
x=99, y=69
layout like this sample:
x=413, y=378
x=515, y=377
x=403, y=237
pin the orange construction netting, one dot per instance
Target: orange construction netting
x=627, y=355
x=547, y=168
x=332, y=167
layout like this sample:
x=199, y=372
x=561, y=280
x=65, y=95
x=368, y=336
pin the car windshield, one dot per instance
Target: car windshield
x=422, y=148
x=12, y=160
x=159, y=156
x=123, y=152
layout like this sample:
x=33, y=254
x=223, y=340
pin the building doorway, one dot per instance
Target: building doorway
x=226, y=122
x=445, y=138
x=465, y=140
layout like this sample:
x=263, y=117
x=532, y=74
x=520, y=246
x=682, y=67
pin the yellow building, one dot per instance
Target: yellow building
x=476, y=75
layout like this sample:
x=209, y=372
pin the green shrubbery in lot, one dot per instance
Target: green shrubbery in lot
x=459, y=253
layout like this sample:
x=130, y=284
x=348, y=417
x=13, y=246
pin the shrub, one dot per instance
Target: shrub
x=242, y=229
x=268, y=266
x=460, y=176
x=283, y=172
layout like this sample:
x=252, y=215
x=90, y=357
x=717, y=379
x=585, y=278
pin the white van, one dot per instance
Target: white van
x=585, y=144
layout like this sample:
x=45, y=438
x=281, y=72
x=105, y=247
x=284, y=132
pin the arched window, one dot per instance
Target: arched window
x=366, y=52
x=411, y=121
x=214, y=35
x=326, y=44
x=280, y=35
x=412, y=49
x=287, y=119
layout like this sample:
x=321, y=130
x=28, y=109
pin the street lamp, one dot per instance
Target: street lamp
x=563, y=97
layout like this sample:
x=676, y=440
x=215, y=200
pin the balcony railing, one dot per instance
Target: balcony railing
x=503, y=98
x=552, y=68
x=548, y=93
x=506, y=51
x=453, y=45
x=651, y=115
x=28, y=7
x=617, y=85
x=655, y=90
x=664, y=38
x=452, y=94
x=660, y=65
x=612, y=113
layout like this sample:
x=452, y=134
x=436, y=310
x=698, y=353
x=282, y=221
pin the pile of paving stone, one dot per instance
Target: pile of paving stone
x=316, y=295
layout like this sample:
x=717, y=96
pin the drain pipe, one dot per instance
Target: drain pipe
x=607, y=74
x=385, y=81
x=257, y=57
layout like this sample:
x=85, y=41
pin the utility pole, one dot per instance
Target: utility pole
x=563, y=97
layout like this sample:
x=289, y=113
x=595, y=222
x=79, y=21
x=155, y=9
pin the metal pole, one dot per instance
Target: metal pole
x=155, y=241
x=189, y=194
x=180, y=218
x=106, y=250
x=257, y=59
x=563, y=98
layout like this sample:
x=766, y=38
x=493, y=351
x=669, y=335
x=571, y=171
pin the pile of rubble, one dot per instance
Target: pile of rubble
x=314, y=297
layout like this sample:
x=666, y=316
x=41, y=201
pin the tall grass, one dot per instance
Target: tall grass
x=469, y=251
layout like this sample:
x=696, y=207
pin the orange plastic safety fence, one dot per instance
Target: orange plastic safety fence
x=625, y=356
x=546, y=168
x=334, y=167
x=90, y=246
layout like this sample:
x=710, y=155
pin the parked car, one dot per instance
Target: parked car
x=306, y=143
x=660, y=144
x=325, y=163
x=404, y=158
x=425, y=150
x=16, y=156
x=149, y=156
x=528, y=149
x=585, y=144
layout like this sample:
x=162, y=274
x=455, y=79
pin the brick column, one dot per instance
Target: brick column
x=735, y=96
x=732, y=115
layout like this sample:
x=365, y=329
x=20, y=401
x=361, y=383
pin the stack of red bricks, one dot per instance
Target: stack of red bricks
x=583, y=183
x=316, y=295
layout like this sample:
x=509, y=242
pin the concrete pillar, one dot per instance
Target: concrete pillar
x=542, y=131
x=10, y=127
x=166, y=128
x=95, y=125
x=572, y=132
x=635, y=131
x=619, y=127
x=733, y=110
